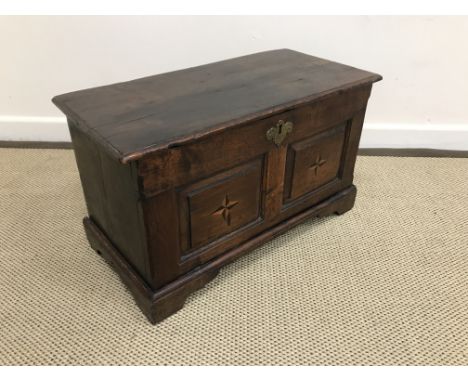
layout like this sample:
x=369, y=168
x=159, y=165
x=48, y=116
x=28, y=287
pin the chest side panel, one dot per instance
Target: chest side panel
x=111, y=195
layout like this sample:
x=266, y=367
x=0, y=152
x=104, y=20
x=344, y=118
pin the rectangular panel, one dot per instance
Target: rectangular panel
x=219, y=205
x=314, y=162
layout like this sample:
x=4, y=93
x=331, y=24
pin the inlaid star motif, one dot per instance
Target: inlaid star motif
x=225, y=209
x=319, y=162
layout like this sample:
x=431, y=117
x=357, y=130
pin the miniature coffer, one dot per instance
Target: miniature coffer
x=185, y=171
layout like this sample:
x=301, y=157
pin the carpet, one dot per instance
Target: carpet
x=384, y=284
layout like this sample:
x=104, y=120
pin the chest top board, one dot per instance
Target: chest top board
x=183, y=172
x=143, y=115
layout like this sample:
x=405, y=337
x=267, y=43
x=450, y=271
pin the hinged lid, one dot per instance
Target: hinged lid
x=136, y=117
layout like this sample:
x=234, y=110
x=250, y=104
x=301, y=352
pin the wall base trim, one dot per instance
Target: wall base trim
x=374, y=135
x=432, y=153
x=33, y=128
x=410, y=136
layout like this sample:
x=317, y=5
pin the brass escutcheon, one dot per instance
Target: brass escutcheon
x=279, y=132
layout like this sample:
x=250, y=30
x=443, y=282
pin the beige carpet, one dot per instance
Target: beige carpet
x=383, y=284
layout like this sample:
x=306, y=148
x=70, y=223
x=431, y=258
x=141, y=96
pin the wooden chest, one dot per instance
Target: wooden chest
x=185, y=171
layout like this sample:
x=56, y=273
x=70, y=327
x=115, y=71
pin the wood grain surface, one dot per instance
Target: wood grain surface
x=143, y=115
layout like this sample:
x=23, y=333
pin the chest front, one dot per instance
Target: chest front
x=216, y=193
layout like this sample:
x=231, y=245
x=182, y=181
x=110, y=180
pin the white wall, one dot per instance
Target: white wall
x=422, y=101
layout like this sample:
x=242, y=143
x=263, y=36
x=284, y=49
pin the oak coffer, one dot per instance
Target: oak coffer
x=185, y=171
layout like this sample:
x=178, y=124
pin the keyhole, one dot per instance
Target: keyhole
x=280, y=127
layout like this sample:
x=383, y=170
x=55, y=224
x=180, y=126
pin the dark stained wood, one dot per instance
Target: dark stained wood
x=315, y=162
x=111, y=195
x=221, y=204
x=353, y=135
x=162, y=237
x=100, y=242
x=274, y=182
x=178, y=183
x=132, y=118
